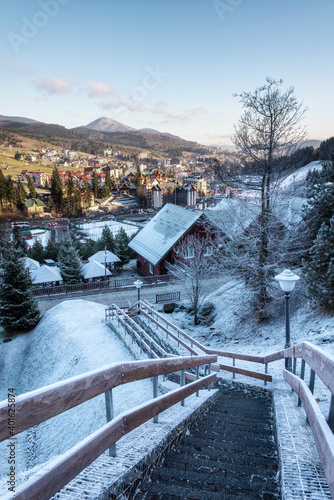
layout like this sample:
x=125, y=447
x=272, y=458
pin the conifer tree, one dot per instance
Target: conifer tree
x=2, y=188
x=107, y=240
x=121, y=246
x=36, y=252
x=56, y=188
x=21, y=194
x=95, y=184
x=51, y=251
x=319, y=269
x=10, y=191
x=32, y=190
x=69, y=262
x=18, y=308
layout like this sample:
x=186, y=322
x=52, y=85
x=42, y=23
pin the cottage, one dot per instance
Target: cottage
x=155, y=243
x=33, y=208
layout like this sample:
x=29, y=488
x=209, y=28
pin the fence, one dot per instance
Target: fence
x=42, y=404
x=98, y=285
x=165, y=297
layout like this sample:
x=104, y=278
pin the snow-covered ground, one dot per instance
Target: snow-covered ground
x=93, y=230
x=71, y=339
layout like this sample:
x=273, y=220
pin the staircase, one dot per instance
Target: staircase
x=230, y=453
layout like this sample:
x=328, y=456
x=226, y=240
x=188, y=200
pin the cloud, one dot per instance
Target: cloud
x=99, y=89
x=183, y=116
x=51, y=87
x=119, y=104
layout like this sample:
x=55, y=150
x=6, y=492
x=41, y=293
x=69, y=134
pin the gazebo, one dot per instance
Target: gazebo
x=94, y=271
x=107, y=258
x=31, y=264
x=45, y=275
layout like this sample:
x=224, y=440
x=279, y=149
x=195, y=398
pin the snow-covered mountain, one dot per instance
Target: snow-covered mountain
x=105, y=124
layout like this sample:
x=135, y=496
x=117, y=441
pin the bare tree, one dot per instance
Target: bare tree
x=195, y=264
x=267, y=134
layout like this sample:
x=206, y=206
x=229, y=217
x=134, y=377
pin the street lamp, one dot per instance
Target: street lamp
x=138, y=285
x=287, y=280
x=105, y=265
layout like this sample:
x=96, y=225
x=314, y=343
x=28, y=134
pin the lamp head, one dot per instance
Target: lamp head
x=287, y=280
x=138, y=284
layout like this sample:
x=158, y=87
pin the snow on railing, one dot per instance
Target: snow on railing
x=42, y=404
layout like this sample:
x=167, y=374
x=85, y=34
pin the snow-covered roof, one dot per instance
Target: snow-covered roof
x=100, y=257
x=31, y=264
x=45, y=274
x=163, y=232
x=94, y=269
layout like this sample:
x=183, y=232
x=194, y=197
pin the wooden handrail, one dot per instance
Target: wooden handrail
x=322, y=434
x=57, y=474
x=42, y=404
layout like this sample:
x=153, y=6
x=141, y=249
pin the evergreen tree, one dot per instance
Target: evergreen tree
x=18, y=308
x=51, y=251
x=105, y=192
x=107, y=240
x=9, y=191
x=88, y=192
x=18, y=242
x=21, y=194
x=36, y=252
x=2, y=188
x=77, y=201
x=319, y=269
x=56, y=188
x=95, y=184
x=108, y=181
x=121, y=246
x=69, y=262
x=32, y=190
x=89, y=249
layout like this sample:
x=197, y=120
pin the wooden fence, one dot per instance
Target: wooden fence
x=42, y=404
x=98, y=285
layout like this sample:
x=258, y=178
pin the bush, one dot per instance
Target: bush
x=207, y=314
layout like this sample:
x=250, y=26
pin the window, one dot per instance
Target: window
x=208, y=250
x=189, y=253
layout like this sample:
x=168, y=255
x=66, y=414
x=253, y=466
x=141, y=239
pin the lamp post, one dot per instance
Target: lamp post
x=287, y=280
x=138, y=285
x=105, y=266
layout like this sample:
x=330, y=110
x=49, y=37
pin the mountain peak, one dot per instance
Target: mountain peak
x=105, y=124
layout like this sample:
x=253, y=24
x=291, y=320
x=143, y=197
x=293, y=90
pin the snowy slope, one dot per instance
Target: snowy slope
x=93, y=230
x=299, y=177
x=70, y=339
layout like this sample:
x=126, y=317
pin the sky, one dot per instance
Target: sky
x=171, y=65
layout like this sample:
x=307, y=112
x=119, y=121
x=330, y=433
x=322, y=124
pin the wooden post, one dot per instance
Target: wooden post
x=182, y=382
x=302, y=375
x=197, y=377
x=233, y=376
x=155, y=395
x=265, y=371
x=110, y=416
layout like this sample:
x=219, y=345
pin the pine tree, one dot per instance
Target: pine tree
x=319, y=269
x=95, y=184
x=9, y=191
x=69, y=262
x=19, y=243
x=32, y=190
x=56, y=188
x=77, y=201
x=121, y=246
x=108, y=181
x=105, y=192
x=2, y=188
x=21, y=194
x=18, y=308
x=51, y=251
x=107, y=240
x=36, y=252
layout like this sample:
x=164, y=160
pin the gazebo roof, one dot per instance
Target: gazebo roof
x=99, y=257
x=31, y=264
x=45, y=274
x=94, y=269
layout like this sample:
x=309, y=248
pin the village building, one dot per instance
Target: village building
x=33, y=208
x=156, y=243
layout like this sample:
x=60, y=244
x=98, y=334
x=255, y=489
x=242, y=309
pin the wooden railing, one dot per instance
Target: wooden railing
x=189, y=343
x=42, y=404
x=98, y=285
x=322, y=365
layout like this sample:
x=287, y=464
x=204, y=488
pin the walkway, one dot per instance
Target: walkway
x=230, y=453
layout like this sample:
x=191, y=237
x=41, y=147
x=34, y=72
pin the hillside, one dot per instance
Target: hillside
x=89, y=141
